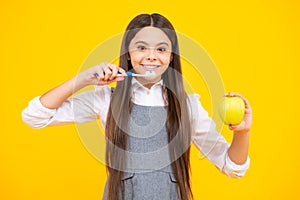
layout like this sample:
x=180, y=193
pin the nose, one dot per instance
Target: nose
x=151, y=55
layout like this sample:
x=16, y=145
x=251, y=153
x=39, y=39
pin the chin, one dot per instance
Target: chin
x=148, y=80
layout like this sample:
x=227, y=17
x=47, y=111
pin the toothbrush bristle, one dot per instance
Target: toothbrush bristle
x=150, y=73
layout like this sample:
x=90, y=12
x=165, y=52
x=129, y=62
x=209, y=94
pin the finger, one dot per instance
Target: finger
x=114, y=69
x=122, y=71
x=100, y=73
x=104, y=82
x=231, y=127
x=239, y=95
x=119, y=78
x=229, y=94
x=107, y=73
x=99, y=81
x=247, y=105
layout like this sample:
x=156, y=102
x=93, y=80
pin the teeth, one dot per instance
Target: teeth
x=150, y=66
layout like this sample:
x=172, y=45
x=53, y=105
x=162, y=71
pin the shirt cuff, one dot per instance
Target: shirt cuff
x=36, y=115
x=234, y=170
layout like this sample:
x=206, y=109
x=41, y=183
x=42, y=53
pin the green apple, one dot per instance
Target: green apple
x=232, y=110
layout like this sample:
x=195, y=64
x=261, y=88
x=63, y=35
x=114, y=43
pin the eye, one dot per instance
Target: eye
x=161, y=49
x=141, y=47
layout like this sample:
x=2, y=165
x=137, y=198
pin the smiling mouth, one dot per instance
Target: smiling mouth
x=150, y=67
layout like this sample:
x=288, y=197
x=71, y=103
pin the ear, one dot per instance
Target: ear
x=171, y=57
x=128, y=58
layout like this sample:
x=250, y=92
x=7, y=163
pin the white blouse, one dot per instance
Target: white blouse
x=94, y=104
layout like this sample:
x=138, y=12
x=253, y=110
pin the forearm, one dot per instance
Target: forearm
x=55, y=97
x=107, y=73
x=238, y=151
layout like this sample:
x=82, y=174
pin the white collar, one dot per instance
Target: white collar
x=137, y=85
x=142, y=95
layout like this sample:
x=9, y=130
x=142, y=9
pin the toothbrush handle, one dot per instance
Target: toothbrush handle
x=130, y=74
x=119, y=74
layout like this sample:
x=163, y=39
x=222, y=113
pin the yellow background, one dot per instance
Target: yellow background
x=254, y=44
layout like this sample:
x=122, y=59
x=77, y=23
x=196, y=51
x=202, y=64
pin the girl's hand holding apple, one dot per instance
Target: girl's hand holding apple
x=236, y=112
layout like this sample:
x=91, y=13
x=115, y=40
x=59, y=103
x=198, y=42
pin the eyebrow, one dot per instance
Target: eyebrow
x=140, y=41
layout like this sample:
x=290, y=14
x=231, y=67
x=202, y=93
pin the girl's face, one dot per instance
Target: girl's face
x=150, y=50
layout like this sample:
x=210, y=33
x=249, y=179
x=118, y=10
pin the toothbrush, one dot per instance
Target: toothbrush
x=148, y=73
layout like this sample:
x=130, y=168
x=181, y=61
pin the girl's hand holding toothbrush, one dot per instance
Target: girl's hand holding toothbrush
x=102, y=74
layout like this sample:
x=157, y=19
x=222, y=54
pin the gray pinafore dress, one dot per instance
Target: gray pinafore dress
x=149, y=175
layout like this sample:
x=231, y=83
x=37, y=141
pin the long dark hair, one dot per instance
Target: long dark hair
x=178, y=120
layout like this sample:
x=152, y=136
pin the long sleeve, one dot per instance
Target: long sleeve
x=212, y=144
x=84, y=107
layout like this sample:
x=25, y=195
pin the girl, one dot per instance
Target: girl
x=148, y=140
